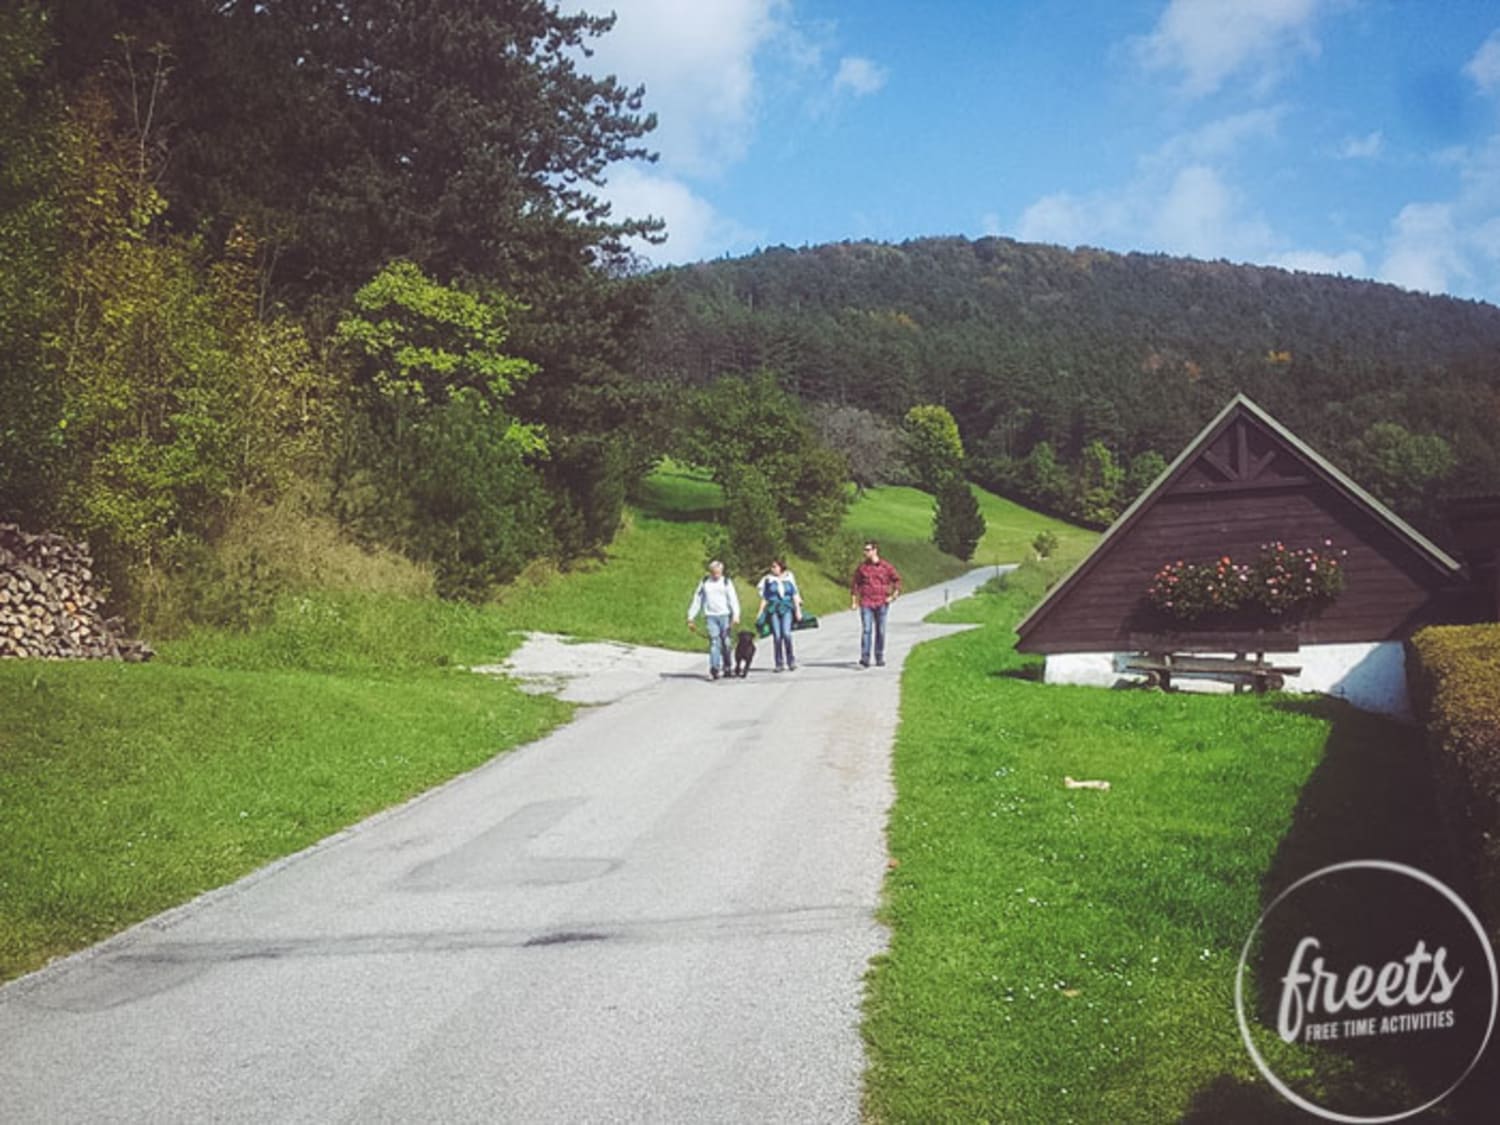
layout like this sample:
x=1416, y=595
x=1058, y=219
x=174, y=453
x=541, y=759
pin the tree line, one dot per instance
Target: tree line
x=261, y=250
x=1075, y=374
x=347, y=253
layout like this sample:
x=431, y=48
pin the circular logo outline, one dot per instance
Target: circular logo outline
x=1239, y=991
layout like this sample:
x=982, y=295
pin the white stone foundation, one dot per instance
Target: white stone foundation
x=1370, y=676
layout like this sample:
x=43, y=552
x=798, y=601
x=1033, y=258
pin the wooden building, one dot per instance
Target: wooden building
x=1243, y=482
x=1475, y=524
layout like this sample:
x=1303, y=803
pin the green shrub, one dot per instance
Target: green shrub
x=840, y=555
x=756, y=532
x=1455, y=682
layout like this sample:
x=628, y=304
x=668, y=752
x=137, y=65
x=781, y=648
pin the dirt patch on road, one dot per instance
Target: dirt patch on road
x=590, y=671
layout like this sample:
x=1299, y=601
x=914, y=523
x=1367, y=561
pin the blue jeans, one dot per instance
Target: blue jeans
x=781, y=636
x=718, y=642
x=872, y=620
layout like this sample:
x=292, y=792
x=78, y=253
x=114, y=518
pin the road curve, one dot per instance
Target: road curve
x=661, y=912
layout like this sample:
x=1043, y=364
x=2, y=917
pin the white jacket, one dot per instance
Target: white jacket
x=715, y=597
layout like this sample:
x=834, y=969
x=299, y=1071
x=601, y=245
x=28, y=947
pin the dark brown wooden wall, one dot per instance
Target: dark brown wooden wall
x=1247, y=489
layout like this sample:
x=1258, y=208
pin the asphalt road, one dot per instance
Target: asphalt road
x=661, y=912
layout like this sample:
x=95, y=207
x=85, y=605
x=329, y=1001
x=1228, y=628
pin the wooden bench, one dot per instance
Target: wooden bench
x=1241, y=669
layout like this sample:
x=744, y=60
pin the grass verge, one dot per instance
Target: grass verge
x=1070, y=955
x=126, y=789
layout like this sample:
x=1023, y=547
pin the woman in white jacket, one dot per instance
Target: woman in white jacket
x=720, y=605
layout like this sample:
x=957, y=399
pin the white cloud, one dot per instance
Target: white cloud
x=1351, y=263
x=1061, y=218
x=701, y=65
x=698, y=63
x=1211, y=41
x=1363, y=148
x=1452, y=245
x=859, y=76
x=1196, y=213
x=1484, y=67
x=1219, y=139
x=1203, y=217
x=1424, y=249
x=1487, y=239
x=695, y=229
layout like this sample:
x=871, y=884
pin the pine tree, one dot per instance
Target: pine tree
x=957, y=523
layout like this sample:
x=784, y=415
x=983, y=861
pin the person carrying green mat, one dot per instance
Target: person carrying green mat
x=780, y=609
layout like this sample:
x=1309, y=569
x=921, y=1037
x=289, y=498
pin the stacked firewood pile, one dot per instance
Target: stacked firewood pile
x=47, y=605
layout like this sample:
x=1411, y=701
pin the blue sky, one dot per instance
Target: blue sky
x=1359, y=137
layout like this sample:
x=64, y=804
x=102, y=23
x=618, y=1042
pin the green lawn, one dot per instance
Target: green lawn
x=1070, y=955
x=126, y=789
x=901, y=515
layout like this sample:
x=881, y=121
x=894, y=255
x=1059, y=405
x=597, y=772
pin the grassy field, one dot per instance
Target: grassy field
x=904, y=515
x=127, y=789
x=1070, y=955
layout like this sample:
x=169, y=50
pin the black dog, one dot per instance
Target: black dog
x=744, y=653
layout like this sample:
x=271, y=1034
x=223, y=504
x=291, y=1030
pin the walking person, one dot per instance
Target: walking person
x=780, y=606
x=875, y=585
x=720, y=605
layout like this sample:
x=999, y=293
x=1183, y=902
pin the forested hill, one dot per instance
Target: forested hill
x=1028, y=343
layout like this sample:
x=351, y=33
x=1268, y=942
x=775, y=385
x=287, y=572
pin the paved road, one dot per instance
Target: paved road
x=661, y=912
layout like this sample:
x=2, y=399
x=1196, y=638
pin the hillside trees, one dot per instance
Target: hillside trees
x=755, y=440
x=441, y=467
x=934, y=455
x=1401, y=468
x=868, y=442
x=30, y=230
x=463, y=137
x=1029, y=344
x=1142, y=473
x=204, y=188
x=1096, y=493
x=169, y=395
x=931, y=445
x=754, y=531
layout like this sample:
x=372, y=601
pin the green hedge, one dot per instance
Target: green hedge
x=1455, y=682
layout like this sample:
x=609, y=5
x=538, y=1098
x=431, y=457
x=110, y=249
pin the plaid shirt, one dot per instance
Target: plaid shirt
x=875, y=583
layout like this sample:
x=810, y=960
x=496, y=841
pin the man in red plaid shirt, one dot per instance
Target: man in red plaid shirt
x=872, y=590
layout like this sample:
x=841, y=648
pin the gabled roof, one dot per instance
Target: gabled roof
x=1239, y=406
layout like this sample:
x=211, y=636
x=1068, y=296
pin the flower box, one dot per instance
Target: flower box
x=1281, y=585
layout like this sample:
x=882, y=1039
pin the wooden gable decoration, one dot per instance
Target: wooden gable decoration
x=1243, y=482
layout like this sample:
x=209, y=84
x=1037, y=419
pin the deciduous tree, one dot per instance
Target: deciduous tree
x=933, y=449
x=442, y=457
